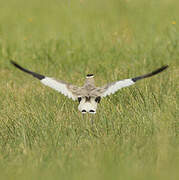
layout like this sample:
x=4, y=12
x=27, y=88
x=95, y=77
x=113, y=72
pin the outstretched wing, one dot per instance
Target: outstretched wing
x=60, y=86
x=115, y=86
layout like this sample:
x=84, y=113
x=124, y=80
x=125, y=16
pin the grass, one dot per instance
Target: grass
x=135, y=132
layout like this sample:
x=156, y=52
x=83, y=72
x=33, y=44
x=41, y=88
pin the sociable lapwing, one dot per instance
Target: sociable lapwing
x=88, y=95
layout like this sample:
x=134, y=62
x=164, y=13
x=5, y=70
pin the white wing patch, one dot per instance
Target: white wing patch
x=58, y=86
x=113, y=87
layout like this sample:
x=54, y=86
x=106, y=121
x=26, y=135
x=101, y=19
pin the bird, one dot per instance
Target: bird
x=88, y=95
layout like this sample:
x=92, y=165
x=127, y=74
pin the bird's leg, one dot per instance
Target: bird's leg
x=83, y=116
x=92, y=119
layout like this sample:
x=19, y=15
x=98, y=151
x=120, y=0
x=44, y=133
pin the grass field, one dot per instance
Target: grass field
x=135, y=133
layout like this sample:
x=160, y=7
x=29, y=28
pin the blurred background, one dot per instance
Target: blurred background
x=135, y=133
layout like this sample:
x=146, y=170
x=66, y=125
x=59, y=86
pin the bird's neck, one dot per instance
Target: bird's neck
x=90, y=81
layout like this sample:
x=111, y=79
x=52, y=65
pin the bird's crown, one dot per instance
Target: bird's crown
x=89, y=75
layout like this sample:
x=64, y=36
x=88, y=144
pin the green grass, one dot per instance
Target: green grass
x=135, y=133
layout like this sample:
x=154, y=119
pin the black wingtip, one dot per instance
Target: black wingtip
x=161, y=69
x=12, y=62
x=15, y=64
x=150, y=74
x=36, y=75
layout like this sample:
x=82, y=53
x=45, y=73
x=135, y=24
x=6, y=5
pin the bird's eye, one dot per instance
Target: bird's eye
x=98, y=99
x=79, y=99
